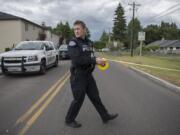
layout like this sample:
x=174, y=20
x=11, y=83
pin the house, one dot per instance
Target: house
x=167, y=46
x=14, y=29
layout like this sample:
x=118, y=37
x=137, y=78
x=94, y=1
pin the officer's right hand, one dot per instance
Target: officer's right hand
x=100, y=61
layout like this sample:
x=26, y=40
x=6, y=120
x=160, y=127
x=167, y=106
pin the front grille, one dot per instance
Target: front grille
x=13, y=60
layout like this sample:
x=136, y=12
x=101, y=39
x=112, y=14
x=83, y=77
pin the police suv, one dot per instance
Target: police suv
x=29, y=56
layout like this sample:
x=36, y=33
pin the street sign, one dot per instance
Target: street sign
x=141, y=36
x=115, y=44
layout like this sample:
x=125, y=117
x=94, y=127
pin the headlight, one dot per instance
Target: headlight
x=32, y=58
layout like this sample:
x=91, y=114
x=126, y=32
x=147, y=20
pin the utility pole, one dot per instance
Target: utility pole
x=132, y=31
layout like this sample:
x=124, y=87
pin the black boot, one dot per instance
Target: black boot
x=110, y=117
x=73, y=124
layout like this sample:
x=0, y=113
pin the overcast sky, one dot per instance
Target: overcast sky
x=97, y=14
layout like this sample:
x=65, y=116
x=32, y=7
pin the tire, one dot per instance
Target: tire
x=5, y=73
x=60, y=58
x=42, y=67
x=56, y=62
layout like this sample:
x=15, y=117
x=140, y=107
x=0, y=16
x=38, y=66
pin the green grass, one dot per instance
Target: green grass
x=172, y=62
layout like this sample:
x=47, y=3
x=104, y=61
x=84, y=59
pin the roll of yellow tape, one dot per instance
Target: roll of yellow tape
x=102, y=68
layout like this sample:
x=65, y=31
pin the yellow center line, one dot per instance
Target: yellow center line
x=41, y=99
x=42, y=108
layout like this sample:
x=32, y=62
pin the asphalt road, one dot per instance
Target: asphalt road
x=144, y=107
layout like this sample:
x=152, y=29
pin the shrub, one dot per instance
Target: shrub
x=7, y=49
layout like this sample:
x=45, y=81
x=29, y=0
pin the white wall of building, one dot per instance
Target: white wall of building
x=10, y=33
x=52, y=37
x=29, y=31
x=14, y=31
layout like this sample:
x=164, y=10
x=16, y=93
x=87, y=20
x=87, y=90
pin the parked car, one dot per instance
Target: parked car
x=63, y=52
x=29, y=56
x=105, y=50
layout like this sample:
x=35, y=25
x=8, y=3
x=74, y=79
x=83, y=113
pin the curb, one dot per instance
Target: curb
x=157, y=80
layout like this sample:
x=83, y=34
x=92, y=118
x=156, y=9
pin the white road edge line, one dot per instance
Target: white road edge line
x=152, y=77
x=163, y=82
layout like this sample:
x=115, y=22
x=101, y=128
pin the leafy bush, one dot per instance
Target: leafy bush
x=7, y=49
x=99, y=44
x=153, y=48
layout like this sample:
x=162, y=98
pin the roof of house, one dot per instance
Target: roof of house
x=166, y=43
x=6, y=16
x=176, y=44
x=158, y=42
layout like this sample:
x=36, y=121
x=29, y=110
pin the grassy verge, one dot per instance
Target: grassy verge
x=163, y=62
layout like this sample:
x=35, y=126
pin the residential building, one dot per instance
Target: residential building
x=14, y=29
x=167, y=46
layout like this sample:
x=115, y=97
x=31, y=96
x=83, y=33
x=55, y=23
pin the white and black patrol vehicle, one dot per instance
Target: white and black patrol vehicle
x=29, y=56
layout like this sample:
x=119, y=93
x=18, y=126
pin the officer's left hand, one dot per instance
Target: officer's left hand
x=101, y=61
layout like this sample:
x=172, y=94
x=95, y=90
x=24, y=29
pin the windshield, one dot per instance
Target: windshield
x=63, y=47
x=29, y=46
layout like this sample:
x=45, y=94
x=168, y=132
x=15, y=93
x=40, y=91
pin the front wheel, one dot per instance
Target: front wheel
x=43, y=67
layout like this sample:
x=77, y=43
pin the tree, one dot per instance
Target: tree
x=104, y=37
x=58, y=29
x=168, y=31
x=137, y=28
x=99, y=45
x=152, y=33
x=119, y=28
x=64, y=31
x=103, y=41
x=88, y=34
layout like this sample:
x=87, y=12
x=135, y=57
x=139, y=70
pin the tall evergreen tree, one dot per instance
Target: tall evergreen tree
x=119, y=28
x=58, y=29
x=66, y=31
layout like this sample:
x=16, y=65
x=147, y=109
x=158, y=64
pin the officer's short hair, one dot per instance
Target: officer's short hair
x=79, y=22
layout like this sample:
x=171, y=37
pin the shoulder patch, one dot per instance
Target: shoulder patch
x=72, y=43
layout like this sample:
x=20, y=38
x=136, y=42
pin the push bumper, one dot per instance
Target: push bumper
x=19, y=67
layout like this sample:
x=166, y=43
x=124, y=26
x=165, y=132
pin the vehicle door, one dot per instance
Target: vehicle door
x=48, y=53
x=53, y=50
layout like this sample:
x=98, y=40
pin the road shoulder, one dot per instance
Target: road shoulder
x=156, y=79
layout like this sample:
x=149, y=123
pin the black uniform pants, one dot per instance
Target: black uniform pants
x=81, y=85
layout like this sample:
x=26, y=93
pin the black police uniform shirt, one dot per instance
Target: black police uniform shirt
x=81, y=54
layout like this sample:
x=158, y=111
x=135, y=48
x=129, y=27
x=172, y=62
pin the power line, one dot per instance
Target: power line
x=168, y=13
x=172, y=7
x=165, y=12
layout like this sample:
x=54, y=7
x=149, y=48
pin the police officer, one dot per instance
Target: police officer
x=82, y=82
